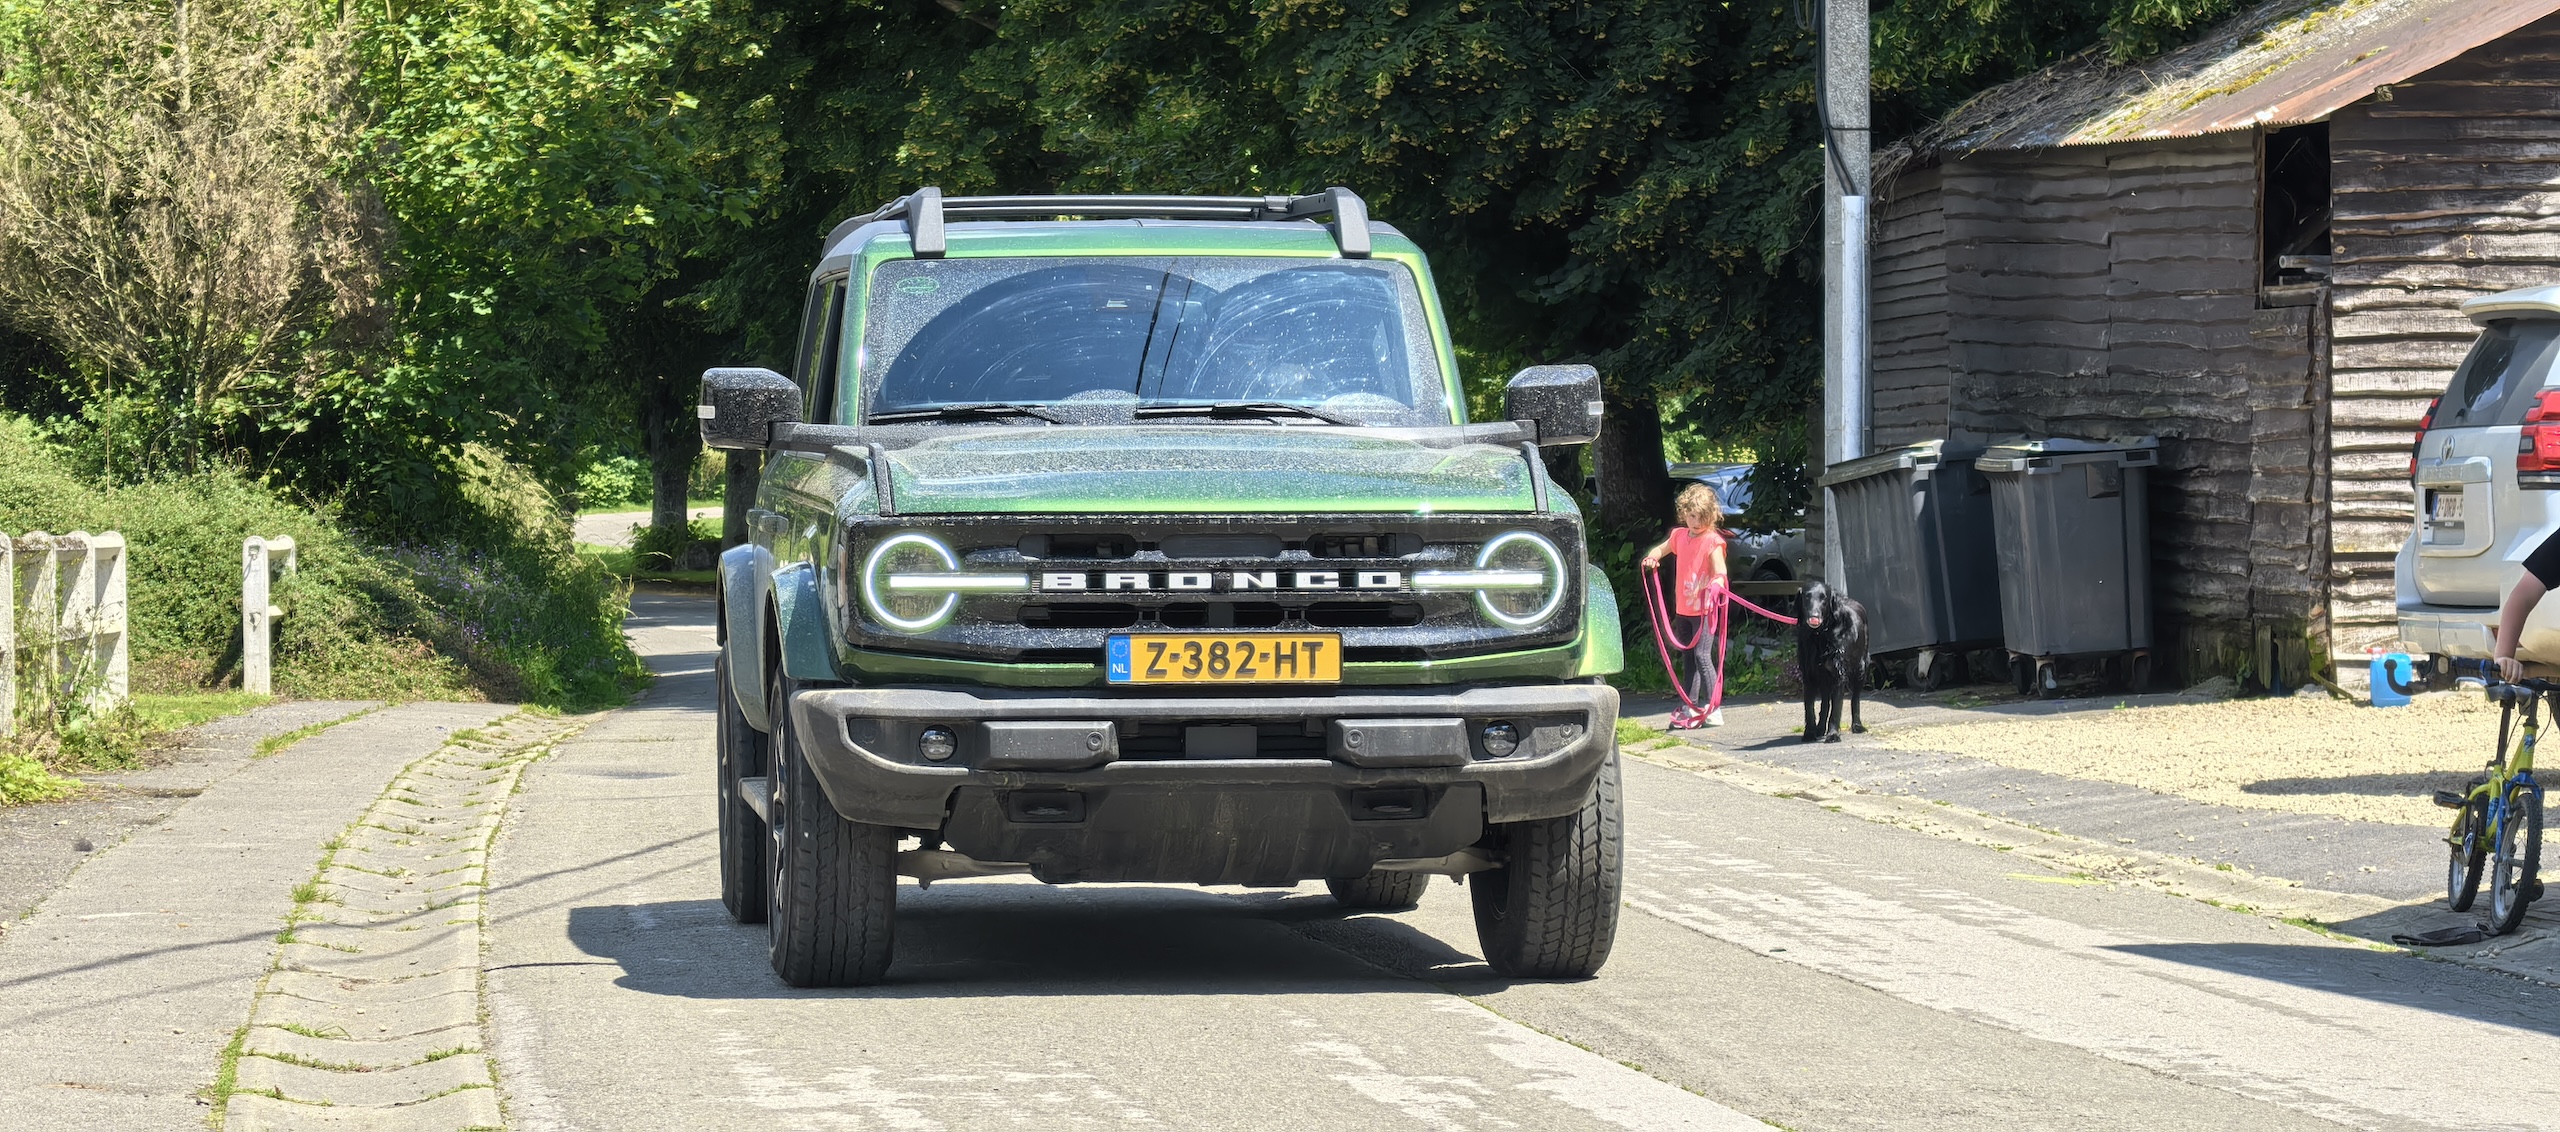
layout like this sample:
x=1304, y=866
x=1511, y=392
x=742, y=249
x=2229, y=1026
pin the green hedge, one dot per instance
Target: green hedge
x=502, y=609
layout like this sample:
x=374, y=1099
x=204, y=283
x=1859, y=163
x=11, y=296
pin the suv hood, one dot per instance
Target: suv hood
x=1196, y=468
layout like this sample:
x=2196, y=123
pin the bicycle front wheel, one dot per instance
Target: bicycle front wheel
x=2469, y=845
x=2514, y=860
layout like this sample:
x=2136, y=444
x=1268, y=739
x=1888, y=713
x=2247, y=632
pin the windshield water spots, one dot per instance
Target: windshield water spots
x=1099, y=338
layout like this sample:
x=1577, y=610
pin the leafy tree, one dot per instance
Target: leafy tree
x=175, y=221
x=543, y=166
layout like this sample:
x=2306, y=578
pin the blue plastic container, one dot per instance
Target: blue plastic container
x=2386, y=668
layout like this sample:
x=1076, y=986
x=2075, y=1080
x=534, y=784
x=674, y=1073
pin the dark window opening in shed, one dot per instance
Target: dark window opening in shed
x=2293, y=208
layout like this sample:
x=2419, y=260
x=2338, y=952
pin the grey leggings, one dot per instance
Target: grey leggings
x=1697, y=662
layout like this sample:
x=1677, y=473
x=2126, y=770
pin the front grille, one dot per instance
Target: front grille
x=1382, y=545
x=1401, y=624
x=1178, y=547
x=1223, y=615
x=1363, y=614
x=1096, y=615
x=1075, y=545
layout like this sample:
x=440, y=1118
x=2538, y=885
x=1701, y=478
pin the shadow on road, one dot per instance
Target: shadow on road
x=2369, y=785
x=1015, y=939
x=2377, y=976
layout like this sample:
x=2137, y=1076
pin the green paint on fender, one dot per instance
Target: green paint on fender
x=1603, y=653
x=1162, y=469
x=802, y=619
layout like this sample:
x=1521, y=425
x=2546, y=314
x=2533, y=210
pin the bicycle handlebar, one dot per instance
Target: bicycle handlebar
x=2502, y=690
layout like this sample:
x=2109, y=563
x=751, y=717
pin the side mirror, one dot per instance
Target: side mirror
x=1561, y=402
x=740, y=406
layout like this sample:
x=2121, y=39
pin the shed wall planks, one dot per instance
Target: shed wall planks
x=1908, y=270
x=2110, y=291
x=2448, y=190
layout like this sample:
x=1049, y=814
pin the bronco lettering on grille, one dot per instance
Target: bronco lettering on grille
x=1195, y=581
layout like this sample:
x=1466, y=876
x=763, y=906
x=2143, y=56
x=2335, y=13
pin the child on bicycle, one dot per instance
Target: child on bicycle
x=1700, y=580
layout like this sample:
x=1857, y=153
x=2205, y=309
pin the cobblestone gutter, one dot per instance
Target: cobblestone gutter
x=370, y=1018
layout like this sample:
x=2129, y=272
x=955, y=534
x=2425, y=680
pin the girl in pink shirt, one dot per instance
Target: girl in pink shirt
x=1699, y=548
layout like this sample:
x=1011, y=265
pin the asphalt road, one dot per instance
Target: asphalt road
x=1778, y=963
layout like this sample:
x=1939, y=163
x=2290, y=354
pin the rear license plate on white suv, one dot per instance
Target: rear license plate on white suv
x=2444, y=506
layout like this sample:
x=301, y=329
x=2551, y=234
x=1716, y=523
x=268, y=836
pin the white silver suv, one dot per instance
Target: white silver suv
x=2486, y=474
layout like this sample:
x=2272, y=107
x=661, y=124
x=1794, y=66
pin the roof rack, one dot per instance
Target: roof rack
x=926, y=209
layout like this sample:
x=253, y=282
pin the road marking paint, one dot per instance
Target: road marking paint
x=1603, y=1089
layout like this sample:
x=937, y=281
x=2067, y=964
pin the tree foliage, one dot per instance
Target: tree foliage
x=588, y=201
x=1632, y=184
x=176, y=213
x=543, y=170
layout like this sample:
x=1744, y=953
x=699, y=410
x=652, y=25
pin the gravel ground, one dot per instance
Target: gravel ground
x=2302, y=756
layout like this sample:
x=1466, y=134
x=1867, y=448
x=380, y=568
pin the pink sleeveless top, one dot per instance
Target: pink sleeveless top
x=1697, y=554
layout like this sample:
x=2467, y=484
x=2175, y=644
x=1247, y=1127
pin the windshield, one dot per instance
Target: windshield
x=1106, y=334
x=2509, y=358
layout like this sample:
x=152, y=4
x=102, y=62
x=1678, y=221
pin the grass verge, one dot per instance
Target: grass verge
x=39, y=766
x=274, y=743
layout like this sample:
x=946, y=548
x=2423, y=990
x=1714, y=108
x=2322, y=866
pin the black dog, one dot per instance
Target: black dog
x=1831, y=652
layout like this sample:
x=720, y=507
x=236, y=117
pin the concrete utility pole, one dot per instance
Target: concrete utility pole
x=1842, y=99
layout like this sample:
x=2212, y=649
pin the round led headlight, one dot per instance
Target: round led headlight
x=908, y=612
x=1522, y=553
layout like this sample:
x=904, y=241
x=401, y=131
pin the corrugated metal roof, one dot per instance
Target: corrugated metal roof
x=2285, y=62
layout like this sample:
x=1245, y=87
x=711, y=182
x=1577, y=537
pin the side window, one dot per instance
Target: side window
x=821, y=330
x=2511, y=361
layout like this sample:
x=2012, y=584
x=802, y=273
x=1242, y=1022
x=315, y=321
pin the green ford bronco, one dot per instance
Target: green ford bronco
x=1120, y=538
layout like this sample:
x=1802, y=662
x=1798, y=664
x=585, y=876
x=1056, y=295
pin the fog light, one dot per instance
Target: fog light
x=937, y=744
x=1500, y=739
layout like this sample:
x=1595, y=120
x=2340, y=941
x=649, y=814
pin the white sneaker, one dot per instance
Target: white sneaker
x=1714, y=718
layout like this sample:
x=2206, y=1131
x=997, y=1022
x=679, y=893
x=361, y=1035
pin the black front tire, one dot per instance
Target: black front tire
x=834, y=904
x=739, y=752
x=2515, y=861
x=2467, y=848
x=1378, y=889
x=1551, y=910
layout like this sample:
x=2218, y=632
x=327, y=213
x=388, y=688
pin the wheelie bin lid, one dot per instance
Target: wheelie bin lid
x=1925, y=454
x=2023, y=453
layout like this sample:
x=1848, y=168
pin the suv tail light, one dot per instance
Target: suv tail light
x=2424, y=423
x=2538, y=446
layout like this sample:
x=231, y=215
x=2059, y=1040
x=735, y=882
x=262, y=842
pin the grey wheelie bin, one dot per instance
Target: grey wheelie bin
x=2074, y=534
x=1915, y=542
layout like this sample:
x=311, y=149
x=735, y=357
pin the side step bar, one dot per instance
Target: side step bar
x=757, y=793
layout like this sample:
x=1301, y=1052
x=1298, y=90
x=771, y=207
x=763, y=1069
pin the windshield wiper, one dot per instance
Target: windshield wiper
x=1242, y=410
x=969, y=412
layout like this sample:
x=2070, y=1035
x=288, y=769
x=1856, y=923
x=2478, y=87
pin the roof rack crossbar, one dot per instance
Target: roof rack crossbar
x=926, y=209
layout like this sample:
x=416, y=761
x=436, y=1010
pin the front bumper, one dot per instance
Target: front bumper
x=1212, y=789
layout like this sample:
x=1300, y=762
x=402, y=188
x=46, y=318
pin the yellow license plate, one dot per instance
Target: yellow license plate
x=1226, y=658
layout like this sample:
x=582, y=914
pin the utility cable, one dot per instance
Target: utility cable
x=1822, y=96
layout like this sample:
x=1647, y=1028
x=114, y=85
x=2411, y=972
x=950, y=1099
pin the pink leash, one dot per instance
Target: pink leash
x=1717, y=619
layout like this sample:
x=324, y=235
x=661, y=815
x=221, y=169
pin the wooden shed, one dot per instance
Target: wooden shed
x=2254, y=248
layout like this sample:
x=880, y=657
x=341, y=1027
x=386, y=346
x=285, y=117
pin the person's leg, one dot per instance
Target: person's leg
x=1704, y=677
x=1687, y=628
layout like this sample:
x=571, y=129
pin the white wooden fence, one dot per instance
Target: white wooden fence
x=261, y=561
x=63, y=629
